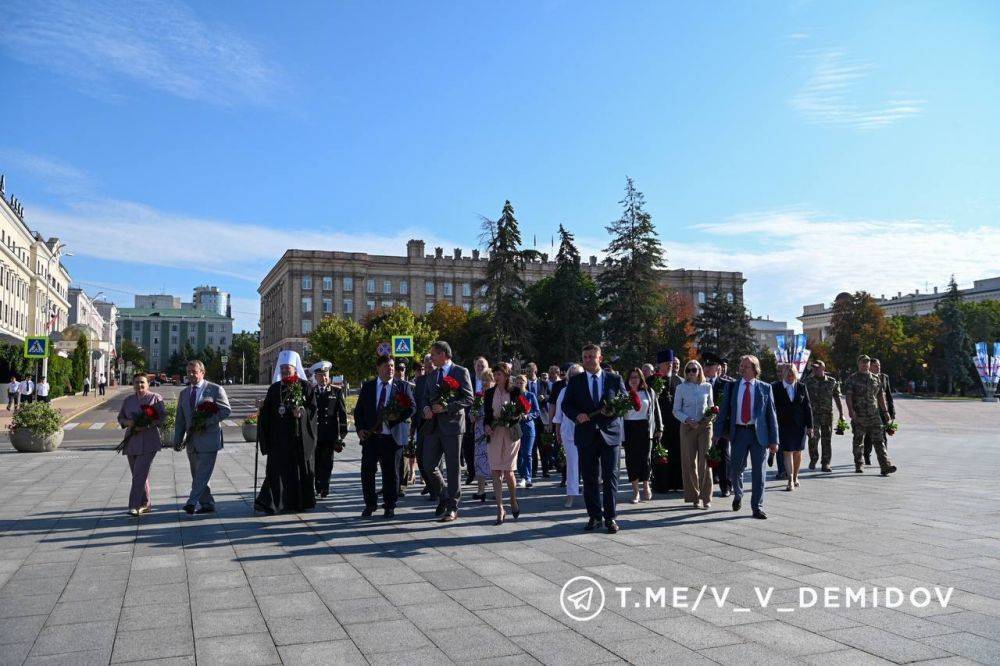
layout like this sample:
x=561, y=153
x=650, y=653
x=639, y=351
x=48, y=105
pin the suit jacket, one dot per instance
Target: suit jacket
x=452, y=420
x=579, y=400
x=887, y=389
x=719, y=388
x=792, y=414
x=209, y=439
x=366, y=410
x=764, y=417
x=420, y=395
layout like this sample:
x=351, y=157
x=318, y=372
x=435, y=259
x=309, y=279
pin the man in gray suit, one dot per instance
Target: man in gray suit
x=444, y=424
x=203, y=444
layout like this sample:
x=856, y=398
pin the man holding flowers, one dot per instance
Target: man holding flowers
x=201, y=408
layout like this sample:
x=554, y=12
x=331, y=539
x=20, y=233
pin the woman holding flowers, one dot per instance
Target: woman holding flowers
x=696, y=410
x=286, y=436
x=482, y=456
x=504, y=408
x=528, y=432
x=141, y=414
x=643, y=426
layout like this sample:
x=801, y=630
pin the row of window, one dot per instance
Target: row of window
x=173, y=327
x=372, y=286
x=307, y=324
x=175, y=340
x=701, y=297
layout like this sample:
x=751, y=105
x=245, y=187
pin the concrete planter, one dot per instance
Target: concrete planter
x=249, y=432
x=26, y=441
x=166, y=438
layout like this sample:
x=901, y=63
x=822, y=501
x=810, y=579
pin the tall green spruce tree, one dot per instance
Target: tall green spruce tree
x=510, y=321
x=954, y=347
x=723, y=327
x=559, y=306
x=629, y=289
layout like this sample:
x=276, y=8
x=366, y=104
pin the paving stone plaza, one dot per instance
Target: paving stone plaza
x=84, y=583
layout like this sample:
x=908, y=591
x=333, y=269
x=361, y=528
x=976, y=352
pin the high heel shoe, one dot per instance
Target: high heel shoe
x=500, y=516
x=635, y=497
x=515, y=509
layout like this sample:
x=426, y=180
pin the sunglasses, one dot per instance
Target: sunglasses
x=691, y=371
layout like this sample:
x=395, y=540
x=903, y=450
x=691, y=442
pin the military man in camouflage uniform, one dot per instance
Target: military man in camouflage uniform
x=865, y=405
x=823, y=390
x=876, y=368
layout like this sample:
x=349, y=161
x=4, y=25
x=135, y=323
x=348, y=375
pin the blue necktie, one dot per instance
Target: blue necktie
x=593, y=389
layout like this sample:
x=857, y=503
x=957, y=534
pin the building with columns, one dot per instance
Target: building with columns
x=95, y=319
x=34, y=285
x=305, y=286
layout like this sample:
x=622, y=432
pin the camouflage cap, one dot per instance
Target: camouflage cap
x=864, y=357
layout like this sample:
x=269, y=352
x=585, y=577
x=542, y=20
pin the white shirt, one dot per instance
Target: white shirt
x=742, y=387
x=13, y=387
x=790, y=390
x=42, y=389
x=567, y=427
x=199, y=390
x=643, y=412
x=600, y=383
x=388, y=396
x=27, y=387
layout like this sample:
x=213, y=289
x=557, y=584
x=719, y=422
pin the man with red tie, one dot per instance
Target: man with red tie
x=748, y=421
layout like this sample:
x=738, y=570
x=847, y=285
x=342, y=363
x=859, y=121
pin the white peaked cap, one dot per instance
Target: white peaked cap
x=288, y=357
x=322, y=366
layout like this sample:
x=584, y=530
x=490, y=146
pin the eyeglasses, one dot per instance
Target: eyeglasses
x=691, y=371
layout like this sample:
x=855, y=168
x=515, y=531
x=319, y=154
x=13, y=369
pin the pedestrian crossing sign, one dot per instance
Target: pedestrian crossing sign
x=37, y=347
x=402, y=345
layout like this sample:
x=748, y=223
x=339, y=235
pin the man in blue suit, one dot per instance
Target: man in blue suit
x=598, y=439
x=748, y=421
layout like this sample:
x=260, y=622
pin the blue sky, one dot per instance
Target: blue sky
x=816, y=147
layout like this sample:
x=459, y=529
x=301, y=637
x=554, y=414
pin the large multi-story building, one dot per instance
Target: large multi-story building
x=816, y=318
x=307, y=285
x=160, y=325
x=34, y=284
x=211, y=298
x=91, y=318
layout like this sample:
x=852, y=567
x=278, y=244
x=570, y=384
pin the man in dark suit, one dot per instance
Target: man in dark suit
x=444, y=423
x=598, y=439
x=382, y=438
x=543, y=458
x=748, y=422
x=420, y=393
x=876, y=369
x=713, y=373
x=555, y=386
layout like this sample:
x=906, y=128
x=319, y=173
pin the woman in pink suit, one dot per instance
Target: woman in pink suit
x=143, y=441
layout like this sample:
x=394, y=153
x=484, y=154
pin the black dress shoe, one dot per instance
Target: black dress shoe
x=826, y=468
x=263, y=509
x=592, y=524
x=425, y=490
x=858, y=470
x=470, y=480
x=323, y=494
x=401, y=493
x=725, y=493
x=737, y=503
x=449, y=516
x=206, y=509
x=812, y=465
x=189, y=509
x=389, y=513
x=760, y=515
x=612, y=526
x=440, y=508
x=368, y=512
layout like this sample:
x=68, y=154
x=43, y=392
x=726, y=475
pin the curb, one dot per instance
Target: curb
x=107, y=398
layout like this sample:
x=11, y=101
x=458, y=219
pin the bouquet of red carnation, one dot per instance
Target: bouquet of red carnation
x=656, y=382
x=512, y=413
x=711, y=412
x=660, y=455
x=714, y=457
x=199, y=420
x=636, y=400
x=394, y=413
x=447, y=390
x=617, y=406
x=146, y=418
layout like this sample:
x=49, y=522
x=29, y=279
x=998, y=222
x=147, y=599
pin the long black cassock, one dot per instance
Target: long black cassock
x=667, y=478
x=289, y=476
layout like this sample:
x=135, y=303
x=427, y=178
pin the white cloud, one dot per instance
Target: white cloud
x=795, y=257
x=61, y=179
x=832, y=96
x=158, y=43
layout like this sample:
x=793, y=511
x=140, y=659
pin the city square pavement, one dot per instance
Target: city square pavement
x=82, y=582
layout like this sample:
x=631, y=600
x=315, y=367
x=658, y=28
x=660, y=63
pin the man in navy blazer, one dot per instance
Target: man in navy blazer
x=385, y=447
x=748, y=421
x=598, y=439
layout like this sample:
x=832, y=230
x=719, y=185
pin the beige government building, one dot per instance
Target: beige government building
x=307, y=285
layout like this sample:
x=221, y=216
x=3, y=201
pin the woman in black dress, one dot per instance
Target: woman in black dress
x=642, y=427
x=286, y=437
x=668, y=478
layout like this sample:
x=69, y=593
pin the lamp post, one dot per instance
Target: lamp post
x=56, y=253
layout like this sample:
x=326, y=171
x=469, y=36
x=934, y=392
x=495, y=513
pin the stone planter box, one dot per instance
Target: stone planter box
x=249, y=432
x=26, y=441
x=167, y=438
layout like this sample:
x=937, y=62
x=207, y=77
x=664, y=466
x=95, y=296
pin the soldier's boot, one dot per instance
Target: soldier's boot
x=858, y=446
x=885, y=464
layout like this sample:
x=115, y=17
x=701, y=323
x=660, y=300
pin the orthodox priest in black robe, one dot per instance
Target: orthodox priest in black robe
x=286, y=435
x=668, y=478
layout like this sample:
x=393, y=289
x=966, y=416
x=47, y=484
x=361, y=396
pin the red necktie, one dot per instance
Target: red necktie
x=381, y=399
x=745, y=411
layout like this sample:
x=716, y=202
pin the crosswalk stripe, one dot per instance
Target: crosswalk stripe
x=97, y=426
x=70, y=426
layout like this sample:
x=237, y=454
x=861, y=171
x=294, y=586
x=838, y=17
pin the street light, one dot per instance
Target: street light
x=56, y=253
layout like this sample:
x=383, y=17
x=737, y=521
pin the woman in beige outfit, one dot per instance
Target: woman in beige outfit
x=503, y=446
x=691, y=400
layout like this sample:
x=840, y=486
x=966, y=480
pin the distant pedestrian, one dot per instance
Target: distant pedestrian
x=26, y=390
x=13, y=392
x=42, y=390
x=86, y=386
x=102, y=384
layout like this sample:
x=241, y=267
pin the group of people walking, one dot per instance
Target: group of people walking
x=25, y=391
x=680, y=431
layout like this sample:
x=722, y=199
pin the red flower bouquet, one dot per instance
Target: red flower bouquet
x=636, y=400
x=711, y=412
x=146, y=418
